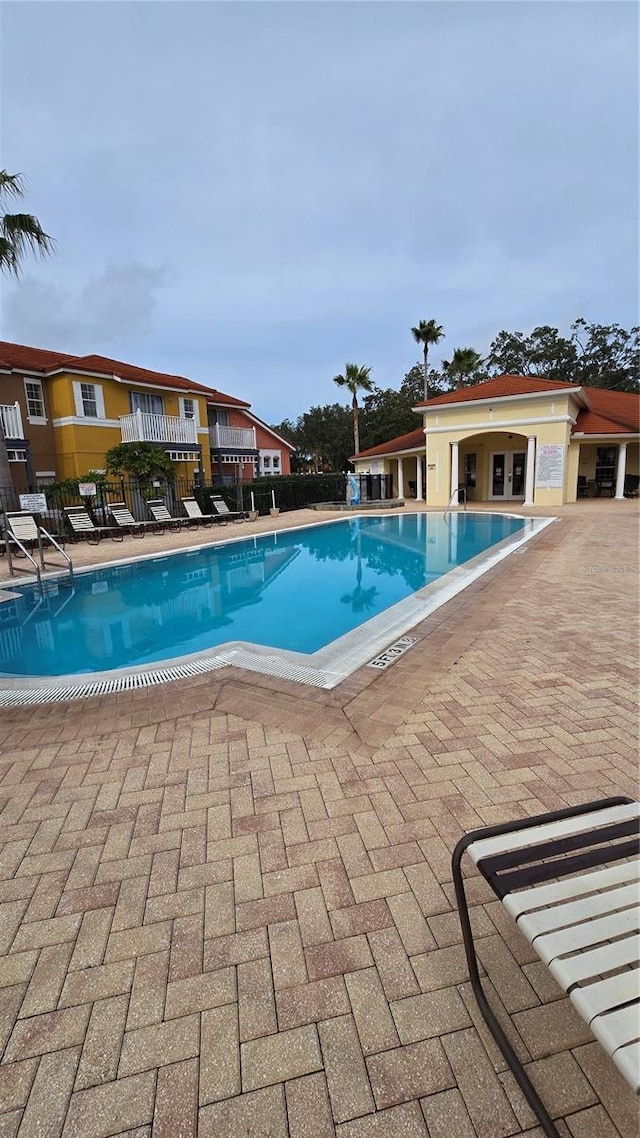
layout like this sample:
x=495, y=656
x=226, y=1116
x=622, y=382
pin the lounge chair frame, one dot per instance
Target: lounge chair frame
x=194, y=513
x=591, y=859
x=159, y=511
x=223, y=511
x=82, y=526
x=123, y=518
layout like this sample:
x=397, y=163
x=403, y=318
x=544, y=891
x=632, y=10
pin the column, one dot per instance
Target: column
x=419, y=494
x=400, y=478
x=622, y=466
x=454, y=468
x=530, y=470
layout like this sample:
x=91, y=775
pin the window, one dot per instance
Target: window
x=276, y=462
x=267, y=461
x=606, y=464
x=147, y=403
x=214, y=416
x=183, y=456
x=470, y=470
x=89, y=400
x=35, y=399
x=188, y=409
x=17, y=455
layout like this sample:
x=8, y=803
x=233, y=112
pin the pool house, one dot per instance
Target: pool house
x=518, y=439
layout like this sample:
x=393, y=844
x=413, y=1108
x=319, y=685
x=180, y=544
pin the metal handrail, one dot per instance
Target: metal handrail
x=461, y=489
x=49, y=537
x=10, y=537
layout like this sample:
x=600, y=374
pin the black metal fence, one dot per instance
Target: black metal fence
x=292, y=492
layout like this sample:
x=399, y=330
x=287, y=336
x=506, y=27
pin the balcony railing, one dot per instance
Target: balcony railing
x=11, y=419
x=141, y=427
x=232, y=438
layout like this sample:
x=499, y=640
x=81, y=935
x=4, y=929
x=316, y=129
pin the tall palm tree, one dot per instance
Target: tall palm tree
x=355, y=379
x=19, y=233
x=464, y=366
x=427, y=333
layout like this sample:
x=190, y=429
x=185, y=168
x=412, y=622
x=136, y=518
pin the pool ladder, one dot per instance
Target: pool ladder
x=20, y=528
x=455, y=498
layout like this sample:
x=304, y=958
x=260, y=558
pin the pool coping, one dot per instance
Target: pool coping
x=326, y=668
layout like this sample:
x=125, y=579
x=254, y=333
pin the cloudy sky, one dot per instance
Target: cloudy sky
x=252, y=194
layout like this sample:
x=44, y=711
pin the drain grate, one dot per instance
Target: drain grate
x=391, y=654
x=26, y=697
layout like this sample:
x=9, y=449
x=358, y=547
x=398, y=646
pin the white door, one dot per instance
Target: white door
x=507, y=475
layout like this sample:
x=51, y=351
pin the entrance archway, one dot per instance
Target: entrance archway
x=493, y=466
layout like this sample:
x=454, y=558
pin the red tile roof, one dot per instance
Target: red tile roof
x=497, y=388
x=608, y=413
x=19, y=357
x=412, y=441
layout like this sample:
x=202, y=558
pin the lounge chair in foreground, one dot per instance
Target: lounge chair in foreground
x=195, y=514
x=123, y=518
x=160, y=514
x=223, y=511
x=83, y=526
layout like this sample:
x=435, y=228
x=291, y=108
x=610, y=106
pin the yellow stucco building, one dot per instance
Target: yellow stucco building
x=516, y=439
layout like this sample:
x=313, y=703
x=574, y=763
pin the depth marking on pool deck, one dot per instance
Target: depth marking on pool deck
x=391, y=654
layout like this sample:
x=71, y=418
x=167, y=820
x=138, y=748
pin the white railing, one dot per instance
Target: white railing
x=141, y=427
x=11, y=421
x=233, y=438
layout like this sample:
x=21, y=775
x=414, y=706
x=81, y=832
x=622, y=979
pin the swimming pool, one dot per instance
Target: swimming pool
x=313, y=596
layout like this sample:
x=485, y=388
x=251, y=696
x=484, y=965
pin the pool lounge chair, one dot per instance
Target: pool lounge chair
x=195, y=514
x=123, y=518
x=158, y=509
x=223, y=511
x=83, y=526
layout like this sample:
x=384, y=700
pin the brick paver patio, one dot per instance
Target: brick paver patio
x=226, y=904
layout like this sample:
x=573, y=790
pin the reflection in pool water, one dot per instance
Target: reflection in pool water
x=298, y=590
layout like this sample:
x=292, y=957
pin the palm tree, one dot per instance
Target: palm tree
x=355, y=379
x=19, y=233
x=464, y=365
x=427, y=333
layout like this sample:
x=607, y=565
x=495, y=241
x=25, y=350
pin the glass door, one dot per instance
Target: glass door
x=507, y=474
x=498, y=477
x=518, y=462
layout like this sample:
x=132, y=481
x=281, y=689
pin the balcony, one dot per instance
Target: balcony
x=11, y=420
x=232, y=438
x=141, y=427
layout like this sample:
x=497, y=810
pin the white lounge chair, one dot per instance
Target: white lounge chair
x=123, y=518
x=223, y=511
x=83, y=526
x=160, y=514
x=195, y=514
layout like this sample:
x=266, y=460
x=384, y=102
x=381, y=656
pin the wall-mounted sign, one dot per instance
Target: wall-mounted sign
x=34, y=503
x=550, y=467
x=86, y=489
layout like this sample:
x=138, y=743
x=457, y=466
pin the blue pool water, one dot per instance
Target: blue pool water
x=299, y=590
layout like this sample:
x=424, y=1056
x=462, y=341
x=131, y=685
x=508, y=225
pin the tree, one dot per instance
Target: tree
x=355, y=379
x=142, y=461
x=597, y=355
x=464, y=367
x=19, y=233
x=324, y=435
x=543, y=353
x=427, y=333
x=607, y=355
